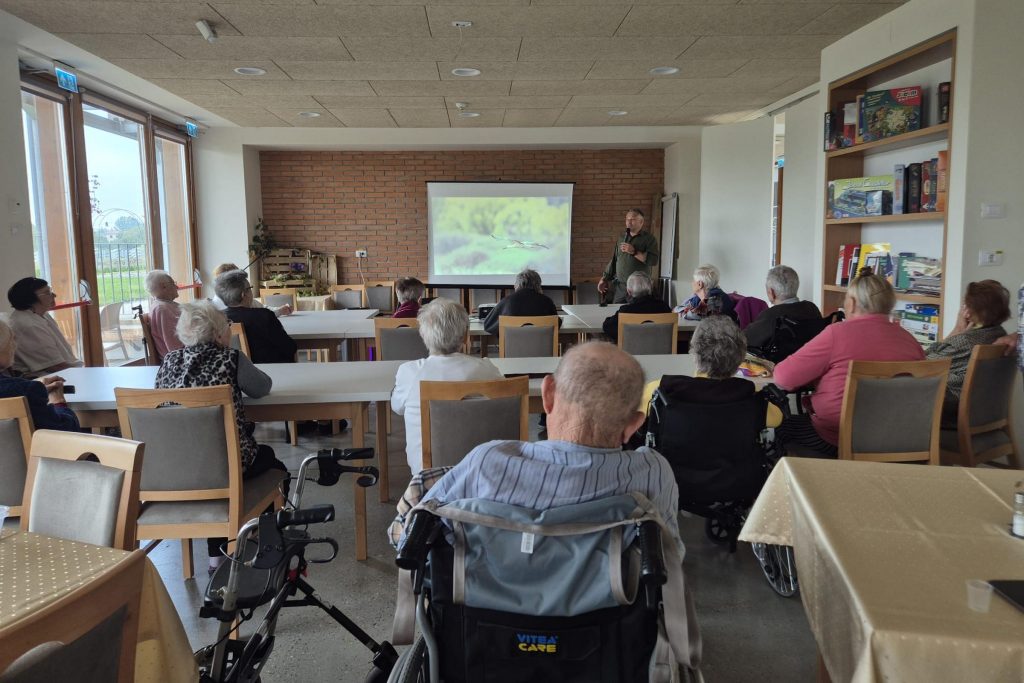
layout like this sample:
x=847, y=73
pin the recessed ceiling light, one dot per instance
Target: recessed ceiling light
x=250, y=71
x=309, y=114
x=664, y=70
x=468, y=114
x=465, y=71
x=617, y=112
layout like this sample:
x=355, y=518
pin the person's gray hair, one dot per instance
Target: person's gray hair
x=443, y=326
x=604, y=385
x=408, y=289
x=707, y=275
x=784, y=281
x=200, y=322
x=155, y=277
x=231, y=287
x=873, y=294
x=639, y=284
x=528, y=279
x=718, y=347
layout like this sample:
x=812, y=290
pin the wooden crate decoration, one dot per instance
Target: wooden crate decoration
x=303, y=269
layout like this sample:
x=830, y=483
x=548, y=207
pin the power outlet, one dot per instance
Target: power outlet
x=990, y=258
x=360, y=253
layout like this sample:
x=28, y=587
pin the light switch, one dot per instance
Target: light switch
x=993, y=210
x=990, y=258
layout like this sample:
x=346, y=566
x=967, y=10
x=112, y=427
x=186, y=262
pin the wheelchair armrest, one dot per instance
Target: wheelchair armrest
x=418, y=536
x=779, y=397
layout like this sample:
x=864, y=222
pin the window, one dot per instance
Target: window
x=110, y=200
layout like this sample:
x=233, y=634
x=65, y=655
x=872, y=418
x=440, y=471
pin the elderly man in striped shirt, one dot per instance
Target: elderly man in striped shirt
x=591, y=402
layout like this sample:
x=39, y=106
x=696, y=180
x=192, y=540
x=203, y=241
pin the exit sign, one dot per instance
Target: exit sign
x=192, y=129
x=67, y=79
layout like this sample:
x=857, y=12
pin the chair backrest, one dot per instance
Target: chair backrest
x=88, y=636
x=152, y=355
x=892, y=411
x=277, y=297
x=191, y=437
x=380, y=294
x=399, y=339
x=984, y=418
x=527, y=336
x=585, y=292
x=83, y=487
x=748, y=308
x=348, y=296
x=15, y=445
x=453, y=423
x=110, y=317
x=642, y=334
x=238, y=338
x=482, y=297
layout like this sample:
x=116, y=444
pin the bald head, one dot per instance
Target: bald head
x=595, y=391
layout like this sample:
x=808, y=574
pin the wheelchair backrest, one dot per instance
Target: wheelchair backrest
x=544, y=555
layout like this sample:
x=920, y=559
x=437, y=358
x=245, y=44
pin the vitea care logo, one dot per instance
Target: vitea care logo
x=532, y=642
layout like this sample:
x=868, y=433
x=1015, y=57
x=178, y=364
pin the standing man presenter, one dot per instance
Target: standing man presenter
x=636, y=250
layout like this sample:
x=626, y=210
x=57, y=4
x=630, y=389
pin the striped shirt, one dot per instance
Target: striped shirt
x=549, y=474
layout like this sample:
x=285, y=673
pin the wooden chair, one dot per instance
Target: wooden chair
x=398, y=339
x=527, y=336
x=642, y=334
x=892, y=411
x=192, y=483
x=152, y=355
x=15, y=446
x=89, y=635
x=282, y=296
x=452, y=426
x=483, y=297
x=238, y=339
x=585, y=291
x=348, y=296
x=83, y=487
x=110, y=322
x=984, y=418
x=380, y=294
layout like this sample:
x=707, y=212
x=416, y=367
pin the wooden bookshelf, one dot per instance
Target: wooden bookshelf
x=850, y=161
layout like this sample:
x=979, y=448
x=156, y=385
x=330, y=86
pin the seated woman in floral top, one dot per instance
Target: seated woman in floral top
x=986, y=306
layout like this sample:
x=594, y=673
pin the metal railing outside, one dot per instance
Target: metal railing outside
x=121, y=269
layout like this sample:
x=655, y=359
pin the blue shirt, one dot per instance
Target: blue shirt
x=548, y=474
x=44, y=415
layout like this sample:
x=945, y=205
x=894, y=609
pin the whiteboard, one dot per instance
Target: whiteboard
x=669, y=209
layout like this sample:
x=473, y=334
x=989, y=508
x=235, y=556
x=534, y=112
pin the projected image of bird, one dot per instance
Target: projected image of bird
x=519, y=244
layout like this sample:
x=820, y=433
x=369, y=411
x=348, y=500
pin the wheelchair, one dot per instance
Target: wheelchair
x=532, y=617
x=268, y=566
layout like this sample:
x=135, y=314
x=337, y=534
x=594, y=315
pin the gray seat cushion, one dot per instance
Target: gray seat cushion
x=479, y=421
x=647, y=339
x=76, y=500
x=402, y=343
x=528, y=342
x=210, y=511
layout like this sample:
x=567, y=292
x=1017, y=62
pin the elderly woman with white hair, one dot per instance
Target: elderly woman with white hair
x=526, y=299
x=708, y=298
x=443, y=327
x=45, y=395
x=163, y=311
x=208, y=360
x=866, y=334
x=781, y=286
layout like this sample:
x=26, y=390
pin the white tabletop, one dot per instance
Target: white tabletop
x=325, y=324
x=353, y=381
x=592, y=316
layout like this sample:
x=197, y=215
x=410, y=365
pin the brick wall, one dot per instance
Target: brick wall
x=337, y=202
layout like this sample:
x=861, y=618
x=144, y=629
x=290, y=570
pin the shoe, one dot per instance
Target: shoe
x=325, y=427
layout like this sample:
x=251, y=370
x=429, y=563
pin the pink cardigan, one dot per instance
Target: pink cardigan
x=825, y=361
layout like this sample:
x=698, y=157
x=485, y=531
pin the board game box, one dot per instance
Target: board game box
x=891, y=112
x=858, y=197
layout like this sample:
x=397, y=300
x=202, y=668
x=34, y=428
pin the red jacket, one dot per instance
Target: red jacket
x=408, y=309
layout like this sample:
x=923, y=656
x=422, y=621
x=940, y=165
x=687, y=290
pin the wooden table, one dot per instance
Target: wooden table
x=37, y=570
x=883, y=553
x=325, y=329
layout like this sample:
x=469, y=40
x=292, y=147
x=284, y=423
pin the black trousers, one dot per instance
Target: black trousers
x=265, y=461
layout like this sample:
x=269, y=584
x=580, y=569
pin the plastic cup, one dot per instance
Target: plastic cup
x=979, y=595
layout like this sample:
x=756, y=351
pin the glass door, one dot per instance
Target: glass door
x=175, y=215
x=45, y=121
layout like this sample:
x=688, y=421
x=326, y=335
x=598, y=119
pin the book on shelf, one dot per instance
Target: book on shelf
x=945, y=90
x=942, y=180
x=913, y=204
x=933, y=188
x=849, y=124
x=846, y=257
x=920, y=320
x=899, y=188
x=859, y=136
x=878, y=257
x=851, y=269
x=924, y=202
x=918, y=274
x=831, y=128
x=891, y=112
x=860, y=197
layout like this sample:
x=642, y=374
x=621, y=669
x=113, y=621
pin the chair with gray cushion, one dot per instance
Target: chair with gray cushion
x=282, y=296
x=380, y=294
x=527, y=336
x=348, y=296
x=984, y=419
x=15, y=444
x=398, y=339
x=644, y=334
x=458, y=416
x=892, y=410
x=89, y=635
x=83, y=487
x=585, y=292
x=192, y=484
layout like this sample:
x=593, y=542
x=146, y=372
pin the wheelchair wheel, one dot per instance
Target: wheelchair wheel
x=779, y=567
x=716, y=532
x=412, y=665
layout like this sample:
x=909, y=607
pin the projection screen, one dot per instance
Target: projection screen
x=485, y=233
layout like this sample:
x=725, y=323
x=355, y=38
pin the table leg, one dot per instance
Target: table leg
x=359, y=497
x=384, y=484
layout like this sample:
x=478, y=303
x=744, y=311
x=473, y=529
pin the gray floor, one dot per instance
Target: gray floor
x=749, y=632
